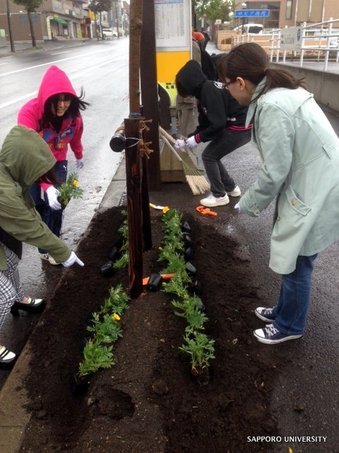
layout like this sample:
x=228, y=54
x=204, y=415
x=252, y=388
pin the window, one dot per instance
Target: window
x=289, y=4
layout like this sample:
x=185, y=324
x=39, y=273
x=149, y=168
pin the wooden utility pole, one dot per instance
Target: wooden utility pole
x=149, y=90
x=136, y=181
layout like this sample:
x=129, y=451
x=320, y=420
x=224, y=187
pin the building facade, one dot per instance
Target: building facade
x=288, y=13
x=60, y=19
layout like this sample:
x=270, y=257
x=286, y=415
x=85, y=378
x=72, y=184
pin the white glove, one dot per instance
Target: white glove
x=179, y=143
x=237, y=208
x=79, y=164
x=52, y=197
x=191, y=142
x=72, y=260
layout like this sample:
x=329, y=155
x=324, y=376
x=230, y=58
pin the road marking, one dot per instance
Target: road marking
x=38, y=66
x=34, y=93
x=7, y=104
x=49, y=63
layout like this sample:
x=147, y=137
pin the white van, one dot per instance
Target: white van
x=250, y=29
x=108, y=33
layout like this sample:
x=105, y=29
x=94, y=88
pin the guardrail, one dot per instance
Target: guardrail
x=319, y=42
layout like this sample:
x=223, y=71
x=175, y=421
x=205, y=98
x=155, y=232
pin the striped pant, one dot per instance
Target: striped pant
x=10, y=288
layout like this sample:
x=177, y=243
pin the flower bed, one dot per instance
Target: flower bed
x=148, y=401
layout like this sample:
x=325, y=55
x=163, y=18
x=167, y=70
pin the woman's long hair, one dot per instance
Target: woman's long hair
x=77, y=104
x=250, y=62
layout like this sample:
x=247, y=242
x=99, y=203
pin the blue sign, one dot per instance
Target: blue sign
x=252, y=13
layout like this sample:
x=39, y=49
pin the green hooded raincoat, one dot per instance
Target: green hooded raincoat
x=24, y=158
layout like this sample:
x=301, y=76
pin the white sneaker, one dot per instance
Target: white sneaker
x=236, y=192
x=211, y=201
x=6, y=356
x=47, y=257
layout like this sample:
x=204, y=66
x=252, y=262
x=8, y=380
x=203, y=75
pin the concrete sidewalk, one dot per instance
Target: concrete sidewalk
x=23, y=47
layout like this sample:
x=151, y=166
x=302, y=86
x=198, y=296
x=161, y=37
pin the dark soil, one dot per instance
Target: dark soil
x=149, y=402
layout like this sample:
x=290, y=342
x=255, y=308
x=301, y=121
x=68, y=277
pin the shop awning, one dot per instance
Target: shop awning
x=59, y=20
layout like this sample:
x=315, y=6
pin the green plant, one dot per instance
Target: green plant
x=122, y=262
x=70, y=189
x=116, y=302
x=96, y=356
x=197, y=345
x=106, y=330
x=200, y=348
x=174, y=261
x=189, y=308
x=176, y=286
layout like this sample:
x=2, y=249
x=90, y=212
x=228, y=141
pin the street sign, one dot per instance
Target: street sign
x=290, y=38
x=252, y=13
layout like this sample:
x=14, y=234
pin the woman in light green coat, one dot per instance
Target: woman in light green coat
x=24, y=159
x=300, y=154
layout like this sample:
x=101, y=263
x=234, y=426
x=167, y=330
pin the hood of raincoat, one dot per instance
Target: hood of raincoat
x=191, y=77
x=25, y=156
x=55, y=81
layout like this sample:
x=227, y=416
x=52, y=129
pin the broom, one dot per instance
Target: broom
x=194, y=177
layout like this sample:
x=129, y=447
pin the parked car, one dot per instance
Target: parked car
x=249, y=29
x=108, y=33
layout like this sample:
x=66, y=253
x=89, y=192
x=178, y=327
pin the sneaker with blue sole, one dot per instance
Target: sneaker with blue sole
x=265, y=314
x=271, y=335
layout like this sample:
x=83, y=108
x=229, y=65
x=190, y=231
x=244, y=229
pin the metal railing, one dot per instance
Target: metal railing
x=319, y=42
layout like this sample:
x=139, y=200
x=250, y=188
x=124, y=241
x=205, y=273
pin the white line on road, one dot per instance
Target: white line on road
x=73, y=57
x=39, y=66
x=34, y=93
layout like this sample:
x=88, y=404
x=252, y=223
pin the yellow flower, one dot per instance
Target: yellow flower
x=75, y=183
x=165, y=209
x=116, y=317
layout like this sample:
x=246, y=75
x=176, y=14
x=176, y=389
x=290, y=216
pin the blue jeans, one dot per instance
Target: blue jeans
x=51, y=217
x=291, y=311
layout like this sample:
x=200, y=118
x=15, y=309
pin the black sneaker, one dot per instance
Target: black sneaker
x=265, y=314
x=271, y=335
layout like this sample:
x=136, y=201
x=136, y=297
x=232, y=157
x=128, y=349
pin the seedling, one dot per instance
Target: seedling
x=96, y=356
x=122, y=262
x=70, y=189
x=106, y=330
x=197, y=345
x=200, y=348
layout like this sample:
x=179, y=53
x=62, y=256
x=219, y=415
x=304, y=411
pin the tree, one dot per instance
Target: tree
x=98, y=6
x=30, y=6
x=214, y=9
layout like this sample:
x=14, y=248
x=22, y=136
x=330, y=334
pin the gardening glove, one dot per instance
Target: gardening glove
x=79, y=164
x=237, y=208
x=179, y=143
x=191, y=142
x=72, y=260
x=52, y=197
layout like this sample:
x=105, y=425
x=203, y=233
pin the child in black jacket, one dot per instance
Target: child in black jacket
x=221, y=122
